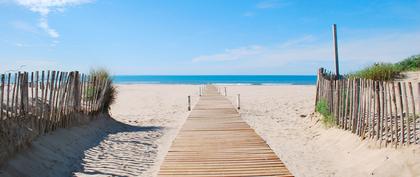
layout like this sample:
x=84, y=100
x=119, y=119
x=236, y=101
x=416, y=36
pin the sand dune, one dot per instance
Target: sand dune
x=282, y=116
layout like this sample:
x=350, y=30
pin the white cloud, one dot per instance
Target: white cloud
x=270, y=4
x=43, y=24
x=45, y=7
x=231, y=54
x=307, y=50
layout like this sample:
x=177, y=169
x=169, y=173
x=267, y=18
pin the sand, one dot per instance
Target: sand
x=132, y=142
x=411, y=76
x=146, y=118
x=282, y=116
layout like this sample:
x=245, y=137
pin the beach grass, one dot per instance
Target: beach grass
x=111, y=92
x=322, y=107
x=388, y=71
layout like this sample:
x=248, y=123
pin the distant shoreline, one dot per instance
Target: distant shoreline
x=217, y=79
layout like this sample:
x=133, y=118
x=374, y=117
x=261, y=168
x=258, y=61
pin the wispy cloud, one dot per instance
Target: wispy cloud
x=308, y=49
x=231, y=54
x=45, y=7
x=249, y=14
x=23, y=26
x=270, y=4
x=28, y=65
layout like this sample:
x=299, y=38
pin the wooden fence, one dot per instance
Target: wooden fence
x=387, y=112
x=40, y=102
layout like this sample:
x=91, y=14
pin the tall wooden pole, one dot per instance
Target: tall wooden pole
x=336, y=51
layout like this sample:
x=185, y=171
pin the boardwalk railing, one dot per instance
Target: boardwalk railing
x=387, y=112
x=40, y=102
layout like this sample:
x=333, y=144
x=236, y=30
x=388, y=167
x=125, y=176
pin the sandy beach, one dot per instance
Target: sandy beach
x=146, y=118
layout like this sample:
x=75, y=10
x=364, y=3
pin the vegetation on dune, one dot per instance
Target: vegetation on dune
x=323, y=108
x=409, y=64
x=379, y=71
x=110, y=92
x=388, y=71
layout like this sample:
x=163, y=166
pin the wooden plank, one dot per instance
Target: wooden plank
x=215, y=141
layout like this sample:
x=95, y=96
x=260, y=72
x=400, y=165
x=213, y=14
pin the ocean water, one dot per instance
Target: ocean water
x=218, y=79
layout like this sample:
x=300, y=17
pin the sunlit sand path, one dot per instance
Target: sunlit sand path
x=215, y=141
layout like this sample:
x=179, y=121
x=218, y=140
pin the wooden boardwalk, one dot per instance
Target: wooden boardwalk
x=215, y=141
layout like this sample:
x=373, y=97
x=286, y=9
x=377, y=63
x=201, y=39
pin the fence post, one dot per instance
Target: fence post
x=77, y=91
x=24, y=93
x=239, y=101
x=2, y=95
x=189, y=103
x=336, y=52
x=225, y=92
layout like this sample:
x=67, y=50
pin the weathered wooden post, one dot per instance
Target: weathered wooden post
x=239, y=101
x=23, y=108
x=76, y=96
x=336, y=51
x=189, y=103
x=2, y=95
x=199, y=90
x=225, y=92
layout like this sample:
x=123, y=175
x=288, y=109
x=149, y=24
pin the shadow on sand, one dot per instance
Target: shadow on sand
x=102, y=147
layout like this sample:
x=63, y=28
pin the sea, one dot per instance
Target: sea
x=217, y=79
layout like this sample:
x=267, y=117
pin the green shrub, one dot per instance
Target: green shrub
x=110, y=92
x=379, y=71
x=323, y=108
x=409, y=64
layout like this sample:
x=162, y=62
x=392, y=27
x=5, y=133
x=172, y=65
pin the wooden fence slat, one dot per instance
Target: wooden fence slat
x=8, y=113
x=1, y=98
x=402, y=131
x=32, y=107
x=407, y=114
x=385, y=113
x=418, y=103
x=369, y=107
x=17, y=104
x=413, y=109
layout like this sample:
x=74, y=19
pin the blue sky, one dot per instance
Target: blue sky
x=204, y=37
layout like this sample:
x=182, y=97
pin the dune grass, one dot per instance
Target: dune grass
x=327, y=118
x=409, y=64
x=388, y=71
x=379, y=71
x=110, y=92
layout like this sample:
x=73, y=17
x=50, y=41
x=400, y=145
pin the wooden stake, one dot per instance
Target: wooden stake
x=413, y=108
x=239, y=101
x=189, y=103
x=1, y=98
x=336, y=51
x=407, y=115
x=401, y=113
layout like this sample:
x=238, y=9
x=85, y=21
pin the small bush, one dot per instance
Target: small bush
x=379, y=71
x=323, y=108
x=409, y=64
x=110, y=92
